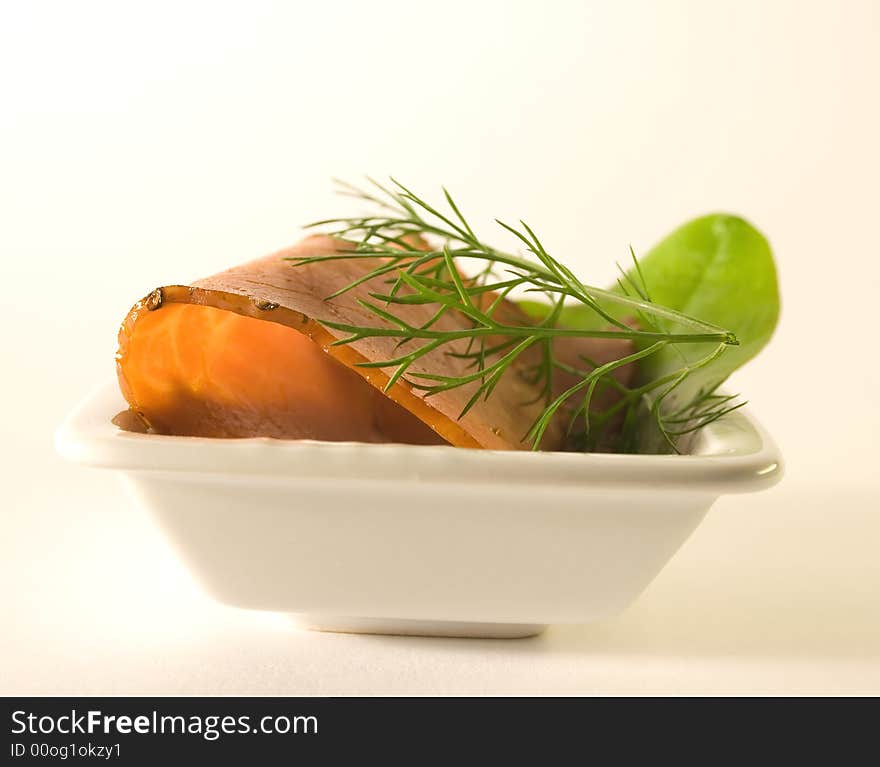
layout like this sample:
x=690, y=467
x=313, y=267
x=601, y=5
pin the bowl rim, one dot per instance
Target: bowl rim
x=735, y=455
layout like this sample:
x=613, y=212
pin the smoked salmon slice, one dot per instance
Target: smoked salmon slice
x=243, y=353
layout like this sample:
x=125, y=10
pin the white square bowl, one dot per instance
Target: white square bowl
x=410, y=539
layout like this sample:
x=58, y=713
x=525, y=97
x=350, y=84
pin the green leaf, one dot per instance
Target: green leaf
x=718, y=268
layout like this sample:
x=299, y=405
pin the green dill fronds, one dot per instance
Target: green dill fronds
x=493, y=344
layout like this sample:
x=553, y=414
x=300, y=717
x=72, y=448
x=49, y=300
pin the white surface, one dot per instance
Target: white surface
x=141, y=149
x=775, y=593
x=404, y=539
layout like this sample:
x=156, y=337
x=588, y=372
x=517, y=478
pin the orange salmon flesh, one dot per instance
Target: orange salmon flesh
x=196, y=370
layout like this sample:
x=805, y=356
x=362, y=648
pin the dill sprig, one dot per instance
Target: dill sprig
x=494, y=339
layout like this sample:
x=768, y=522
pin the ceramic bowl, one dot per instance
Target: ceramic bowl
x=408, y=539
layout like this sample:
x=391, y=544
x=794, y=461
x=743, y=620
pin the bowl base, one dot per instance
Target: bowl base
x=408, y=627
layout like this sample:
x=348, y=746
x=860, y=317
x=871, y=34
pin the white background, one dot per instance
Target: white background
x=143, y=144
